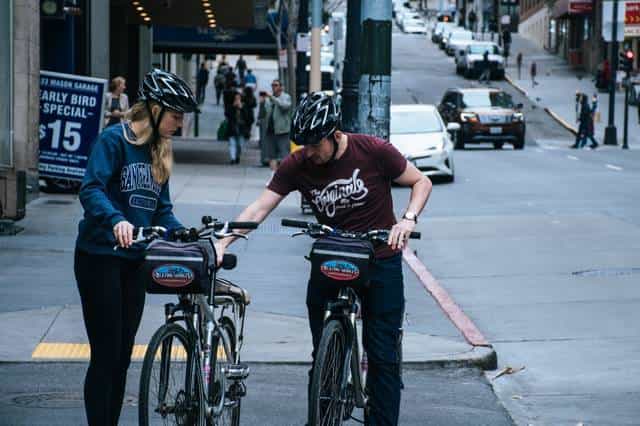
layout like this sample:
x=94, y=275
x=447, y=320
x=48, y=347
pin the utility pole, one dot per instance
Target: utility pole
x=351, y=71
x=316, y=42
x=292, y=13
x=610, y=136
x=375, y=66
x=302, y=76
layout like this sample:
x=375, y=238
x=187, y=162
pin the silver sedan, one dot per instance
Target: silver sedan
x=419, y=133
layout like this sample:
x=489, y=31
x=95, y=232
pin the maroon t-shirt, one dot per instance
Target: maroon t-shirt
x=352, y=193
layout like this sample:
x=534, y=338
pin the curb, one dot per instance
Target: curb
x=549, y=111
x=484, y=355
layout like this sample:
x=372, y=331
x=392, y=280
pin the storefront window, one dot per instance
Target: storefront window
x=6, y=81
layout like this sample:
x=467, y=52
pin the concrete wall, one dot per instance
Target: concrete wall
x=26, y=70
x=536, y=27
x=99, y=39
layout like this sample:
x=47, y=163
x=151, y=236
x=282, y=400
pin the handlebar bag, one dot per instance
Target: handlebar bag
x=340, y=262
x=177, y=268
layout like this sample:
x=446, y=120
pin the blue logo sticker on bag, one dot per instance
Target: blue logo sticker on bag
x=172, y=275
x=340, y=270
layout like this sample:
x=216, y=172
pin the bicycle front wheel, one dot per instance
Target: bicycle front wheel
x=170, y=388
x=326, y=406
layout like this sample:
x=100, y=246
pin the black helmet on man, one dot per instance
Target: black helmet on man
x=317, y=117
x=168, y=90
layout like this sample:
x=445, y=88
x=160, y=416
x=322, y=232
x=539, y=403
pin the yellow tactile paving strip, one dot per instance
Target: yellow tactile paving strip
x=81, y=351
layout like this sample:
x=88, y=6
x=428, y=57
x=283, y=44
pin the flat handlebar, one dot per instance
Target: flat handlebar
x=319, y=228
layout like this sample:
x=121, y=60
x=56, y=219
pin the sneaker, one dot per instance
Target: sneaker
x=593, y=146
x=574, y=146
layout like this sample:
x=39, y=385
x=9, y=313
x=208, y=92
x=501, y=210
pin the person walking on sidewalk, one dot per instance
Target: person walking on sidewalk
x=202, y=79
x=126, y=185
x=348, y=177
x=250, y=80
x=519, y=65
x=472, y=20
x=485, y=75
x=218, y=82
x=533, y=71
x=586, y=126
x=278, y=118
x=241, y=66
x=506, y=45
x=238, y=127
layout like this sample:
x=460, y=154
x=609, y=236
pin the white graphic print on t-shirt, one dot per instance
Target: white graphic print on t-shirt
x=340, y=194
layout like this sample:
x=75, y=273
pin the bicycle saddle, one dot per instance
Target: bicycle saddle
x=226, y=288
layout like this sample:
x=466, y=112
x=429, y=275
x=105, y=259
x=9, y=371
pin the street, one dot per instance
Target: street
x=539, y=247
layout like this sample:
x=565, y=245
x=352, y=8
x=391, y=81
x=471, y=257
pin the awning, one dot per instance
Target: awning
x=572, y=7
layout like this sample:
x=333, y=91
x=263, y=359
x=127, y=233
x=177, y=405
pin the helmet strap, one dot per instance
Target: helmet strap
x=335, y=147
x=155, y=124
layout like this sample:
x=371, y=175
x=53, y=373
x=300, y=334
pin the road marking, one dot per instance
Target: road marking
x=459, y=319
x=81, y=351
x=571, y=157
x=612, y=167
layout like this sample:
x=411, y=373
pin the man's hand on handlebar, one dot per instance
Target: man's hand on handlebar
x=123, y=231
x=400, y=233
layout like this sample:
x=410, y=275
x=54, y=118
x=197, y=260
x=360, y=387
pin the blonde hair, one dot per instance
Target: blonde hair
x=161, y=152
x=115, y=82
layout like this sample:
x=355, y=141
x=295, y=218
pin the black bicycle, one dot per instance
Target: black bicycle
x=192, y=373
x=341, y=259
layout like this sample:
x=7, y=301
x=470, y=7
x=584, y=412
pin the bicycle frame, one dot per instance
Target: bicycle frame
x=344, y=309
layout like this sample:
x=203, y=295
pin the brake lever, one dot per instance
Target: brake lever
x=220, y=235
x=297, y=234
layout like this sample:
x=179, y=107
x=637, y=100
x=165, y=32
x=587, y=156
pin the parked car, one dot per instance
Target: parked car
x=419, y=133
x=439, y=29
x=472, y=61
x=447, y=35
x=458, y=40
x=485, y=115
x=459, y=55
x=414, y=26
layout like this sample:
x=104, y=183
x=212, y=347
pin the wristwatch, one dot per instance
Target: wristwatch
x=411, y=216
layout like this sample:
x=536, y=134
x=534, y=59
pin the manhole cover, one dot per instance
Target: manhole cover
x=58, y=400
x=607, y=272
x=59, y=202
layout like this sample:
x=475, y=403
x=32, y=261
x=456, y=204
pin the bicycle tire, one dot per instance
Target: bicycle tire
x=183, y=411
x=233, y=418
x=331, y=353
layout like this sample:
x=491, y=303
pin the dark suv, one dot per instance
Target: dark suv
x=485, y=115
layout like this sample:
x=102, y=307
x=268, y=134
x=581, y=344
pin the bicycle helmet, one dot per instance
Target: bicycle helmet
x=317, y=117
x=168, y=90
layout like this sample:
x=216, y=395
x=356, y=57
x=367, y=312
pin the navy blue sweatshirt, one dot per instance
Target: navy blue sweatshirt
x=118, y=185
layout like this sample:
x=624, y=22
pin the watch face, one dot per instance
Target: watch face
x=49, y=7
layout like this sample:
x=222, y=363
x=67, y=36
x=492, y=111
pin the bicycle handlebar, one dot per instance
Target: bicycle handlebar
x=317, y=228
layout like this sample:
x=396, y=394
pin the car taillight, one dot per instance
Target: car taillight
x=467, y=117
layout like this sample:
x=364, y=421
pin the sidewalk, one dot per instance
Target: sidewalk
x=40, y=307
x=558, y=84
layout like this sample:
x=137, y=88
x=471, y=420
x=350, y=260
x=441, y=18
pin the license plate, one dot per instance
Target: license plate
x=495, y=130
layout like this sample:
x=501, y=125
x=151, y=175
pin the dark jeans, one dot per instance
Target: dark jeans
x=112, y=304
x=382, y=309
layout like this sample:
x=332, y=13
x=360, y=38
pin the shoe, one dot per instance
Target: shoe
x=574, y=146
x=232, y=162
x=593, y=146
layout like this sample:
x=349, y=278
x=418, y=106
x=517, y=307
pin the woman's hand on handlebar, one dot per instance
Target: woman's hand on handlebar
x=400, y=233
x=123, y=231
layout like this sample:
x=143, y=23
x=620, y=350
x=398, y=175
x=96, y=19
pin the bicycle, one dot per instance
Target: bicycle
x=338, y=383
x=192, y=373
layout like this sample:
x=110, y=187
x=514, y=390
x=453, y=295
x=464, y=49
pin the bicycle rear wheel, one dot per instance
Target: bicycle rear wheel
x=170, y=388
x=222, y=391
x=326, y=406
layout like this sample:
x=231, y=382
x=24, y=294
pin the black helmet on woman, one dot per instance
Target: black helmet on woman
x=168, y=90
x=317, y=117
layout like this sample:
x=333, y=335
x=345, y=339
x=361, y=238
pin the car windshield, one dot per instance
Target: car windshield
x=479, y=49
x=405, y=122
x=486, y=98
x=461, y=36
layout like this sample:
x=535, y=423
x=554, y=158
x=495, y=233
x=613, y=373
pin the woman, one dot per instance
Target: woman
x=239, y=127
x=116, y=102
x=125, y=186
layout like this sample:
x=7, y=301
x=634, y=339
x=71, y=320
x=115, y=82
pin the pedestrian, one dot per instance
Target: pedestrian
x=238, y=127
x=577, y=105
x=519, y=65
x=278, y=118
x=585, y=125
x=506, y=44
x=222, y=64
x=116, y=102
x=594, y=108
x=250, y=80
x=218, y=82
x=241, y=66
x=125, y=186
x=262, y=129
x=230, y=89
x=472, y=20
x=485, y=75
x=533, y=71
x=202, y=79
x=249, y=101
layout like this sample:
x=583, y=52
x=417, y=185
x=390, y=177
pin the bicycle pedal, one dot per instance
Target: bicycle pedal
x=237, y=371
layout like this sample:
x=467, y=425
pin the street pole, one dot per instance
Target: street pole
x=316, y=24
x=610, y=136
x=302, y=76
x=351, y=70
x=625, y=139
x=375, y=80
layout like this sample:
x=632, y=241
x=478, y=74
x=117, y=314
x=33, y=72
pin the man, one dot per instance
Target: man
x=485, y=76
x=278, y=123
x=241, y=66
x=202, y=80
x=472, y=20
x=506, y=44
x=347, y=178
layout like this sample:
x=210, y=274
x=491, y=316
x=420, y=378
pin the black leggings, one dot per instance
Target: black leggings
x=112, y=304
